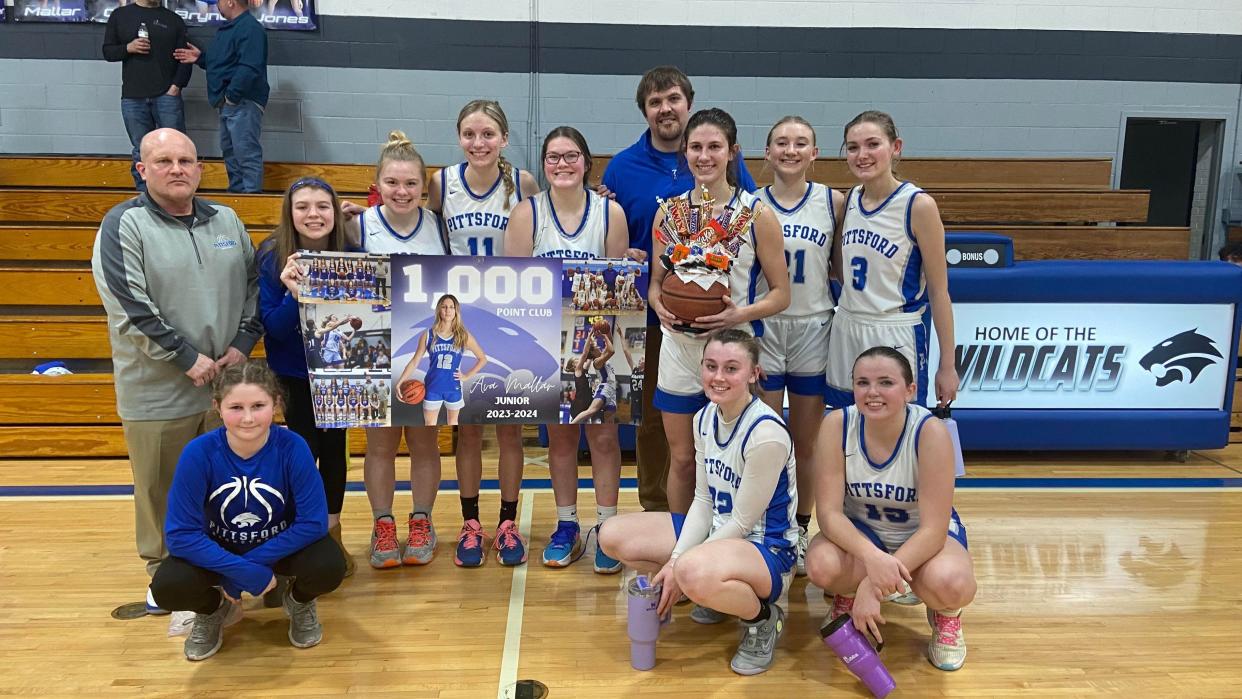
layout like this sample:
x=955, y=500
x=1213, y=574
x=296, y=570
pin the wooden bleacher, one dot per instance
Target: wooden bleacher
x=50, y=208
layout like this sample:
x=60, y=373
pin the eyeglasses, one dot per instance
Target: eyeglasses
x=570, y=158
x=311, y=182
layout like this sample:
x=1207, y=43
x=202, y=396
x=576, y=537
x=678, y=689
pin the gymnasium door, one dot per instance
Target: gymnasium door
x=1160, y=155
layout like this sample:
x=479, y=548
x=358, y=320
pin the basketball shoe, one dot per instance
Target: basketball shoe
x=385, y=551
x=420, y=548
x=947, y=648
x=470, y=545
x=509, y=544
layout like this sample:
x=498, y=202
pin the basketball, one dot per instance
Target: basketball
x=602, y=327
x=690, y=301
x=412, y=392
x=355, y=322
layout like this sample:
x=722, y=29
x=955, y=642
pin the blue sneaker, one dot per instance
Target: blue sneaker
x=469, y=552
x=154, y=609
x=565, y=546
x=604, y=564
x=509, y=544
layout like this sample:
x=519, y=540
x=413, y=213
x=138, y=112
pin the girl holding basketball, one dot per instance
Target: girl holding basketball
x=333, y=341
x=604, y=397
x=400, y=224
x=884, y=499
x=246, y=506
x=734, y=551
x=569, y=221
x=475, y=198
x=711, y=150
x=308, y=221
x=794, y=349
x=892, y=252
x=445, y=343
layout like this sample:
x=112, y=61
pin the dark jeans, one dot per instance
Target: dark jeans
x=651, y=445
x=326, y=445
x=144, y=115
x=179, y=585
x=240, y=127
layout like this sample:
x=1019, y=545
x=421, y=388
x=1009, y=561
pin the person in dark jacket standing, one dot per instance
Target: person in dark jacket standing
x=142, y=36
x=236, y=64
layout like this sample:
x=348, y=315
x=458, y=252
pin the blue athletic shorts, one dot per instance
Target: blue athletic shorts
x=779, y=559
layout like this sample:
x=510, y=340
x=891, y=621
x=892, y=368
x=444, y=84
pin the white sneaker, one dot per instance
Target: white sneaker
x=947, y=648
x=182, y=622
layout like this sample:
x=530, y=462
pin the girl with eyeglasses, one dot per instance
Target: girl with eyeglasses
x=569, y=221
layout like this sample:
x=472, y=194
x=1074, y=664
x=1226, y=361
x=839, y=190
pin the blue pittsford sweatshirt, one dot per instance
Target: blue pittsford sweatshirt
x=239, y=517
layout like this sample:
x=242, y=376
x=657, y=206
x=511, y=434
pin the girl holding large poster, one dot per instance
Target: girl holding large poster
x=475, y=199
x=569, y=221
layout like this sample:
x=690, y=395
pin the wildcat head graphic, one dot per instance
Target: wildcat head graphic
x=247, y=488
x=1181, y=357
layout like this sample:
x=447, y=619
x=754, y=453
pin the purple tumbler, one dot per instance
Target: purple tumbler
x=859, y=657
x=643, y=622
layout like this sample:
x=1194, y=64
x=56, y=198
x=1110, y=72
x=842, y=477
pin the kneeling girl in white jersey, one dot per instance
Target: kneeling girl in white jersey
x=734, y=551
x=400, y=225
x=892, y=253
x=712, y=153
x=884, y=499
x=475, y=199
x=794, y=348
x=569, y=221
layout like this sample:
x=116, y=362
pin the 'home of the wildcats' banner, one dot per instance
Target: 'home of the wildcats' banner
x=420, y=340
x=1091, y=355
x=273, y=14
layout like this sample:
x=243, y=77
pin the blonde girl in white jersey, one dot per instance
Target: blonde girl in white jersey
x=794, y=346
x=734, y=551
x=475, y=199
x=892, y=260
x=400, y=225
x=569, y=221
x=884, y=500
x=712, y=153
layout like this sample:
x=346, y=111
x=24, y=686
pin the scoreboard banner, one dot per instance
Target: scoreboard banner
x=273, y=14
x=540, y=350
x=1112, y=356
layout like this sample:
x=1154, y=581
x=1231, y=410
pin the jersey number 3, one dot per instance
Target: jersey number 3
x=859, y=265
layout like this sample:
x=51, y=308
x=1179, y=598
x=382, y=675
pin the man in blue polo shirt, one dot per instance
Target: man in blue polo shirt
x=236, y=64
x=655, y=167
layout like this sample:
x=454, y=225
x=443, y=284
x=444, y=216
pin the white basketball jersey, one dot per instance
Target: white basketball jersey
x=885, y=495
x=723, y=452
x=475, y=222
x=584, y=242
x=808, y=228
x=881, y=261
x=379, y=237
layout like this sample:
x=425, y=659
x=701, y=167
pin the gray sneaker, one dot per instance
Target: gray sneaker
x=706, y=615
x=304, y=627
x=207, y=633
x=420, y=548
x=758, y=647
x=802, y=544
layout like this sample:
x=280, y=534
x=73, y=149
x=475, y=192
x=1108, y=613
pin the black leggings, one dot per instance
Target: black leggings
x=179, y=585
x=326, y=445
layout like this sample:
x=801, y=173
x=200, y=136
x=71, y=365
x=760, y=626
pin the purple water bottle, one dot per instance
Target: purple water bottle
x=643, y=622
x=946, y=416
x=859, y=657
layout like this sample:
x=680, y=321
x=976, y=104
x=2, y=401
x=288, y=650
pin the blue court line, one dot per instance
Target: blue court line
x=586, y=483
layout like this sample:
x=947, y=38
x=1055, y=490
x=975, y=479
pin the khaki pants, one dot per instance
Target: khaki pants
x=651, y=446
x=154, y=448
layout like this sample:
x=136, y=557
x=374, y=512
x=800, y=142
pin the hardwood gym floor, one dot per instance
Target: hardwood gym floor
x=1100, y=574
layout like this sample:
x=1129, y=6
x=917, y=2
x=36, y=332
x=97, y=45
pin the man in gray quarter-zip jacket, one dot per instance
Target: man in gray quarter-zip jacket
x=179, y=282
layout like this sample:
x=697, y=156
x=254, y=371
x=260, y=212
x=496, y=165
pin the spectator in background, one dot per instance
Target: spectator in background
x=142, y=36
x=236, y=64
x=173, y=323
x=1232, y=253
